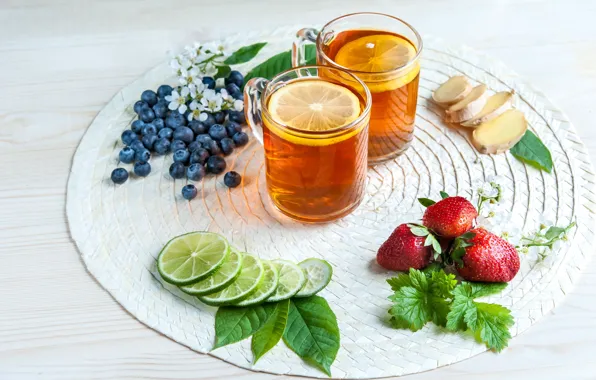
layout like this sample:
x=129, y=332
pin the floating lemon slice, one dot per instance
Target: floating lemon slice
x=313, y=106
x=379, y=53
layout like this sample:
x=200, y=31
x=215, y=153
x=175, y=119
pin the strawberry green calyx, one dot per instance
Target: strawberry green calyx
x=431, y=240
x=429, y=202
x=459, y=249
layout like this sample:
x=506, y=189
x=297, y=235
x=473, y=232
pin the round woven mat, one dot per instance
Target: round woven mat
x=119, y=230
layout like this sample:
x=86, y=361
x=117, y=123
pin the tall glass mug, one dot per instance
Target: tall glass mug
x=383, y=51
x=314, y=130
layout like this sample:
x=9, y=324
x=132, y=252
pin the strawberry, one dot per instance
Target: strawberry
x=450, y=217
x=404, y=250
x=485, y=257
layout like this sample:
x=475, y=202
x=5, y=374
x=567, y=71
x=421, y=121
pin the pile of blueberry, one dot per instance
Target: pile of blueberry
x=198, y=147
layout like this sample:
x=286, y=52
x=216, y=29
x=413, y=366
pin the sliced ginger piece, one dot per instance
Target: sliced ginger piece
x=455, y=89
x=494, y=106
x=469, y=106
x=498, y=135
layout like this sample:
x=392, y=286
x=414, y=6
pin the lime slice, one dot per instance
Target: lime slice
x=291, y=280
x=222, y=277
x=248, y=281
x=192, y=257
x=318, y=274
x=267, y=287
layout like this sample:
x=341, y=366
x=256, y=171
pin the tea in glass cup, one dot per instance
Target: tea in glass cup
x=383, y=51
x=314, y=134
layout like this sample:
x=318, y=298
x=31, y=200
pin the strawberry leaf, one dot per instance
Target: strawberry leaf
x=426, y=202
x=420, y=231
x=457, y=255
x=467, y=236
x=400, y=281
x=443, y=194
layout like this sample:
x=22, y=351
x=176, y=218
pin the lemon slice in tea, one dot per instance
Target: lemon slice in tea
x=291, y=280
x=267, y=287
x=222, y=277
x=244, y=285
x=192, y=257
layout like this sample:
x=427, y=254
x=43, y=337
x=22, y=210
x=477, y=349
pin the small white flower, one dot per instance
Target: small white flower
x=210, y=69
x=180, y=63
x=546, y=219
x=211, y=101
x=194, y=115
x=513, y=235
x=189, y=77
x=220, y=82
x=203, y=116
x=238, y=105
x=178, y=101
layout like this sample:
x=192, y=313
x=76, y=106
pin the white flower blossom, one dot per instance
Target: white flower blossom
x=178, y=101
x=189, y=77
x=211, y=101
x=546, y=219
x=220, y=82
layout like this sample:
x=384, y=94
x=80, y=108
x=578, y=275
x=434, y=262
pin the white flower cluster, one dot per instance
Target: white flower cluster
x=190, y=67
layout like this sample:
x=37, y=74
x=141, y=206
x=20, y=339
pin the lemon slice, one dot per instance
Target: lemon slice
x=379, y=53
x=314, y=105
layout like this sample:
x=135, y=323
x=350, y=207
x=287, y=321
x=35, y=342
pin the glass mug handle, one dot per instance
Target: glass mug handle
x=304, y=35
x=252, y=105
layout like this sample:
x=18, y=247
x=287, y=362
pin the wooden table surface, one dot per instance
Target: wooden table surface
x=62, y=60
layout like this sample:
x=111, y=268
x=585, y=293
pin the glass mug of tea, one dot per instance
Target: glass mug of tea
x=383, y=51
x=314, y=131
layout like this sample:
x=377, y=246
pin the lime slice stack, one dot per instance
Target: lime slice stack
x=192, y=257
x=267, y=287
x=291, y=280
x=222, y=277
x=318, y=274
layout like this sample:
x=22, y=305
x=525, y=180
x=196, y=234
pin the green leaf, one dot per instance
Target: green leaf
x=278, y=63
x=312, y=331
x=431, y=268
x=426, y=202
x=455, y=318
x=419, y=231
x=271, y=332
x=244, y=54
x=533, y=152
x=490, y=323
x=443, y=194
x=554, y=232
x=457, y=256
x=223, y=72
x=233, y=324
x=398, y=282
x=436, y=246
x=443, y=284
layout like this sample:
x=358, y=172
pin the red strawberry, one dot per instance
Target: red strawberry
x=404, y=250
x=487, y=258
x=450, y=217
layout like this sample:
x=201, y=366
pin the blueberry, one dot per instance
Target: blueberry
x=184, y=134
x=176, y=145
x=232, y=128
x=139, y=105
x=212, y=147
x=149, y=97
x=232, y=179
x=189, y=192
x=236, y=78
x=137, y=145
x=233, y=90
x=237, y=116
x=149, y=129
x=137, y=126
x=197, y=127
x=142, y=169
x=147, y=115
x=161, y=146
x=199, y=156
x=142, y=155
x=219, y=117
x=194, y=146
x=119, y=176
x=175, y=120
x=209, y=121
x=181, y=155
x=128, y=137
x=177, y=170
x=227, y=146
x=159, y=124
x=127, y=155
x=165, y=133
x=164, y=90
x=217, y=132
x=209, y=82
x=216, y=164
x=160, y=109
x=240, y=139
x=195, y=172
x=204, y=139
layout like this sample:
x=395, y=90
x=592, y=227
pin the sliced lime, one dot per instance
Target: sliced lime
x=222, y=277
x=291, y=280
x=318, y=274
x=246, y=283
x=267, y=287
x=192, y=257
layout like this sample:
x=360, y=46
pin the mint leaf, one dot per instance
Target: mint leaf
x=278, y=63
x=233, y=324
x=443, y=194
x=272, y=330
x=312, y=331
x=533, y=152
x=426, y=202
x=223, y=72
x=244, y=54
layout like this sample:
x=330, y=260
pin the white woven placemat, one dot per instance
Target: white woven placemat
x=119, y=230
